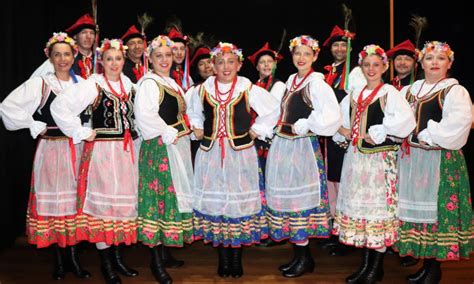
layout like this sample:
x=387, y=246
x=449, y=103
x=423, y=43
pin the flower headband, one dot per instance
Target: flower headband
x=225, y=47
x=437, y=46
x=111, y=43
x=304, y=40
x=373, y=49
x=159, y=41
x=60, y=37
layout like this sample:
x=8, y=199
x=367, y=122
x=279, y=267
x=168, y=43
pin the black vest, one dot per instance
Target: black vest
x=43, y=114
x=172, y=109
x=373, y=115
x=128, y=70
x=294, y=106
x=237, y=121
x=107, y=118
x=427, y=108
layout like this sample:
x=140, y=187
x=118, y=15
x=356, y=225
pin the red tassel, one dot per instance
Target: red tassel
x=73, y=156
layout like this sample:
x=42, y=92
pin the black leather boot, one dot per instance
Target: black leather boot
x=433, y=275
x=408, y=261
x=224, y=269
x=329, y=243
x=73, y=264
x=59, y=271
x=118, y=264
x=108, y=272
x=366, y=258
x=168, y=260
x=236, y=262
x=304, y=264
x=375, y=271
x=157, y=267
x=287, y=266
x=420, y=274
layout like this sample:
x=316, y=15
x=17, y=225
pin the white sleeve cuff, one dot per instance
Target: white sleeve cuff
x=424, y=136
x=81, y=134
x=36, y=128
x=262, y=131
x=170, y=135
x=378, y=133
x=301, y=127
x=338, y=138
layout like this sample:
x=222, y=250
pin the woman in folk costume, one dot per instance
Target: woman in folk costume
x=366, y=211
x=165, y=169
x=52, y=208
x=108, y=173
x=227, y=200
x=435, y=203
x=295, y=178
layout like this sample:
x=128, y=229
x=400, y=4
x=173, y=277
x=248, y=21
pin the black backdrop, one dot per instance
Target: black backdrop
x=26, y=26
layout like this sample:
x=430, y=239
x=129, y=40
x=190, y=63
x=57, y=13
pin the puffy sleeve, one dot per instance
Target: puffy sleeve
x=267, y=108
x=195, y=109
x=453, y=129
x=346, y=118
x=147, y=106
x=67, y=107
x=398, y=120
x=18, y=108
x=278, y=90
x=325, y=119
x=356, y=80
x=43, y=69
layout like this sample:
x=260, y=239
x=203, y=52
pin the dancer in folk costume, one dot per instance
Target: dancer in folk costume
x=134, y=67
x=108, y=173
x=165, y=169
x=435, y=202
x=337, y=75
x=295, y=177
x=52, y=208
x=366, y=211
x=404, y=56
x=227, y=200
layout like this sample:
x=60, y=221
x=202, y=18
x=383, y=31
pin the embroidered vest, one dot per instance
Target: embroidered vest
x=373, y=115
x=237, y=121
x=294, y=106
x=107, y=118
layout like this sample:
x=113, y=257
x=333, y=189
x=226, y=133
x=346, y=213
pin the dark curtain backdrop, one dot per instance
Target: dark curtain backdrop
x=26, y=26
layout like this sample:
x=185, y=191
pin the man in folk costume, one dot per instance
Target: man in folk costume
x=83, y=32
x=135, y=40
x=334, y=152
x=404, y=57
x=180, y=69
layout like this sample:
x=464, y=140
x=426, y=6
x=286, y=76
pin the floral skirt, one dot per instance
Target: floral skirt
x=159, y=219
x=451, y=237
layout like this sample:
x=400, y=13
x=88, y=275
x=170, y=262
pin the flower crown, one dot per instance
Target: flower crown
x=111, y=43
x=373, y=49
x=437, y=46
x=304, y=40
x=159, y=41
x=225, y=47
x=61, y=37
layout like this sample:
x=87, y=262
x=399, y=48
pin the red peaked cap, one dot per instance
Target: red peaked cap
x=200, y=53
x=265, y=50
x=175, y=35
x=132, y=32
x=338, y=34
x=84, y=22
x=406, y=48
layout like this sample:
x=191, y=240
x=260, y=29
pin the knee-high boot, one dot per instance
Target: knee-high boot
x=157, y=267
x=304, y=264
x=223, y=268
x=168, y=260
x=420, y=274
x=237, y=269
x=433, y=275
x=59, y=271
x=106, y=267
x=375, y=271
x=287, y=266
x=73, y=263
x=366, y=257
x=119, y=265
